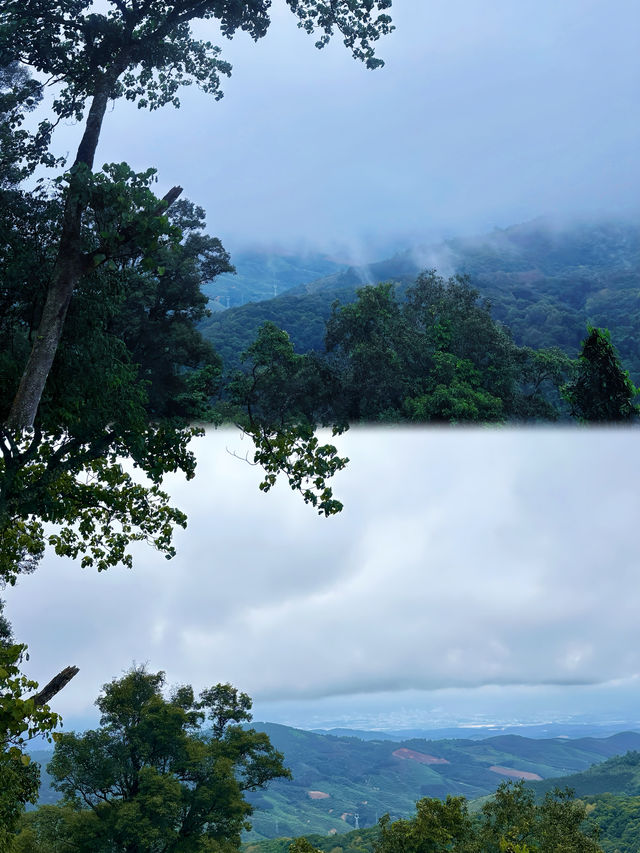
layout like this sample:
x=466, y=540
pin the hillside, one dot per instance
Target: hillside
x=262, y=275
x=618, y=775
x=611, y=790
x=337, y=778
x=544, y=282
x=617, y=817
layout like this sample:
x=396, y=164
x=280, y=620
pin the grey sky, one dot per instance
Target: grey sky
x=463, y=559
x=485, y=114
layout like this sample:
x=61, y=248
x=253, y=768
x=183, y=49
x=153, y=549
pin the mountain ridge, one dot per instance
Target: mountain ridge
x=543, y=284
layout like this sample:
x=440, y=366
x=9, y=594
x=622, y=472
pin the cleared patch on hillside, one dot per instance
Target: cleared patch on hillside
x=516, y=774
x=420, y=757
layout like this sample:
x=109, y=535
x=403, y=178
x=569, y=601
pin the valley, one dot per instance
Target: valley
x=344, y=782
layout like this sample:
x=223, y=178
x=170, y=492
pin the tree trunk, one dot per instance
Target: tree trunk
x=68, y=269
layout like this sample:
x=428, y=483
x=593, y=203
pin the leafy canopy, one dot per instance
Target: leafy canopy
x=98, y=275
x=160, y=773
x=509, y=822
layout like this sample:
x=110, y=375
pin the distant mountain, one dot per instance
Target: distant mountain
x=263, y=275
x=544, y=282
x=567, y=729
x=341, y=782
x=337, y=778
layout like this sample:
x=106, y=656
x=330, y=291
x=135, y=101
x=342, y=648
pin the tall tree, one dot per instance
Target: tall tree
x=89, y=239
x=144, y=52
x=161, y=774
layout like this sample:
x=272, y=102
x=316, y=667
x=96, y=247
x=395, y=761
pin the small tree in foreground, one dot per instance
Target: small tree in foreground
x=167, y=775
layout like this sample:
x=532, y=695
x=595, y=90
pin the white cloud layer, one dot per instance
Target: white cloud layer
x=462, y=558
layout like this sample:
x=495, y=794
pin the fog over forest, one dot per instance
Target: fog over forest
x=484, y=115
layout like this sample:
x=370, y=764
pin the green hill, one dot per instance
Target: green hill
x=610, y=789
x=618, y=775
x=263, y=275
x=544, y=282
x=336, y=779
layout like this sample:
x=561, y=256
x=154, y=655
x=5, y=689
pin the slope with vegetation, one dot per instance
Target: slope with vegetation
x=371, y=778
x=544, y=282
x=508, y=822
x=607, y=795
x=261, y=275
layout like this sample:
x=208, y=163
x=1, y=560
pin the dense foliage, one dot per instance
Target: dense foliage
x=162, y=774
x=601, y=391
x=434, y=354
x=145, y=374
x=543, y=282
x=21, y=718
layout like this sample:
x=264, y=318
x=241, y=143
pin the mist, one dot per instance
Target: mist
x=481, y=118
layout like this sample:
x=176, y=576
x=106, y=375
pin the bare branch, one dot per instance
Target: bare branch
x=55, y=685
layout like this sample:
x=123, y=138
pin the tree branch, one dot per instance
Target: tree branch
x=55, y=685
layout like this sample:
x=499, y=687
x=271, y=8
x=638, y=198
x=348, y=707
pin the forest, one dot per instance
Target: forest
x=107, y=372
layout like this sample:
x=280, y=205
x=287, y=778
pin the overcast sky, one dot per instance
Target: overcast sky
x=486, y=114
x=501, y=565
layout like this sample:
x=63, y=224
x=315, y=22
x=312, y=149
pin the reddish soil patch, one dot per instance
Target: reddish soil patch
x=318, y=795
x=516, y=774
x=420, y=757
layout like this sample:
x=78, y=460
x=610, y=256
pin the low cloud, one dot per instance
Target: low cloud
x=463, y=558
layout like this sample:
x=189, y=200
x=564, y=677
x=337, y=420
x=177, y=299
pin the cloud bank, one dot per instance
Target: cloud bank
x=463, y=558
